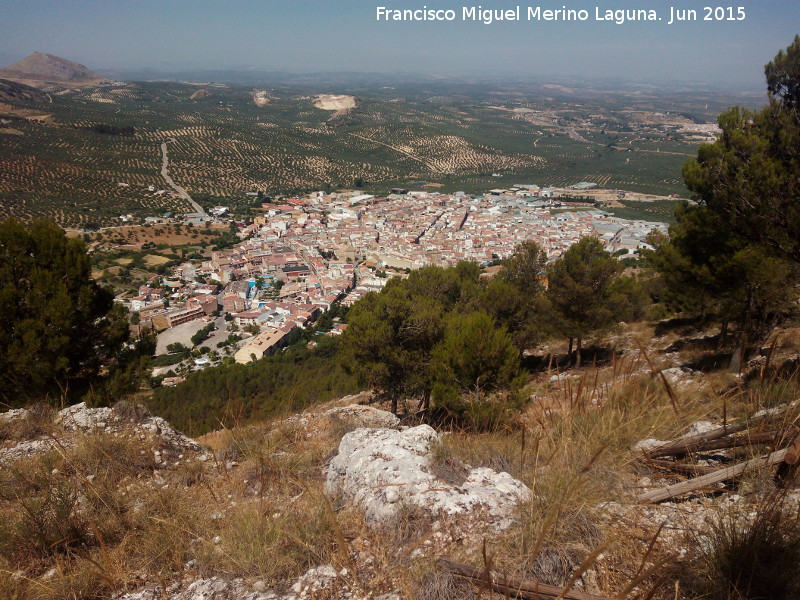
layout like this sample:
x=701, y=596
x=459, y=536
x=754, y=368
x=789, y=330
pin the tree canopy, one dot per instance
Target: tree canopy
x=391, y=335
x=734, y=256
x=749, y=176
x=586, y=292
x=58, y=327
x=783, y=75
x=526, y=268
x=475, y=357
x=445, y=329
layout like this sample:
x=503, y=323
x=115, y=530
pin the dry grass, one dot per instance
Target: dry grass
x=37, y=422
x=576, y=454
x=102, y=516
x=276, y=539
x=99, y=515
x=748, y=554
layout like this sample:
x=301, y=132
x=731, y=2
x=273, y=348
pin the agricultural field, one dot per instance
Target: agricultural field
x=659, y=210
x=84, y=157
x=167, y=235
x=127, y=257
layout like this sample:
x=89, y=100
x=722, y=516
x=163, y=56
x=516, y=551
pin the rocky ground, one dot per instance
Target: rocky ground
x=349, y=501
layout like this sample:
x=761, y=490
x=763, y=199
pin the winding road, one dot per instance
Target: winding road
x=165, y=174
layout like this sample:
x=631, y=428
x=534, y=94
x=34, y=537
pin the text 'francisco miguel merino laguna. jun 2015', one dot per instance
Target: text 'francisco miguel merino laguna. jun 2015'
x=669, y=14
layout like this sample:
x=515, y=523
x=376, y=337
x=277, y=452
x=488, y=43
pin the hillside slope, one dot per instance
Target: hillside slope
x=347, y=501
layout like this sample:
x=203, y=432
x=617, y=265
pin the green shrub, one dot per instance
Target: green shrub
x=168, y=359
x=464, y=412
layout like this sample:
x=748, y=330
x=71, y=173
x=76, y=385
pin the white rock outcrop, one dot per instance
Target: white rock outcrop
x=203, y=589
x=648, y=445
x=80, y=418
x=334, y=102
x=365, y=416
x=682, y=376
x=384, y=471
x=261, y=98
x=314, y=580
x=314, y=583
x=15, y=414
x=27, y=449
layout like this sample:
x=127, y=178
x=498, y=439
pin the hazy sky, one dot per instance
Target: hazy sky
x=344, y=35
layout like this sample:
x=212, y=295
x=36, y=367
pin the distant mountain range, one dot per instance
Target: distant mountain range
x=47, y=68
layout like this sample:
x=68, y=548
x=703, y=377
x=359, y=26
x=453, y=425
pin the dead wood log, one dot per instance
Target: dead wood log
x=764, y=437
x=513, y=587
x=725, y=474
x=686, y=443
x=689, y=442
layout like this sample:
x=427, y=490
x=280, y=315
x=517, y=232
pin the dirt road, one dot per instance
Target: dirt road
x=165, y=174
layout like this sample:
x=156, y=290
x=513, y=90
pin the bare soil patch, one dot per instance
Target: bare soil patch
x=153, y=260
x=334, y=102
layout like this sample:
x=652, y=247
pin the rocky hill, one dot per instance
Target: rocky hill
x=626, y=478
x=41, y=68
x=122, y=464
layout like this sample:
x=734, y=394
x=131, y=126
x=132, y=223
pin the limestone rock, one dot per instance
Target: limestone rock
x=682, y=376
x=383, y=470
x=261, y=98
x=318, y=578
x=203, y=589
x=648, y=444
x=79, y=418
x=365, y=416
x=175, y=439
x=26, y=449
x=200, y=94
x=15, y=414
x=309, y=585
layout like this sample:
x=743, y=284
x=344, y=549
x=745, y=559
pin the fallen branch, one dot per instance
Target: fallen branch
x=716, y=477
x=764, y=437
x=686, y=443
x=690, y=442
x=513, y=587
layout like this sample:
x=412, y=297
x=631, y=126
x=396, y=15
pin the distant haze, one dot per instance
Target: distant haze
x=149, y=36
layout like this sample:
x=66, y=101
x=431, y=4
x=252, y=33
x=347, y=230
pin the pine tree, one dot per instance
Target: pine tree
x=737, y=254
x=581, y=291
x=526, y=268
x=475, y=357
x=58, y=327
x=749, y=175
